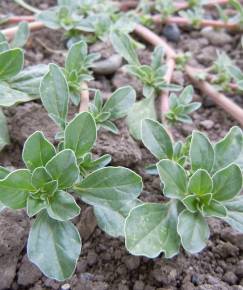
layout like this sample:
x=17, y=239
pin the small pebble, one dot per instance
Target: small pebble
x=172, y=32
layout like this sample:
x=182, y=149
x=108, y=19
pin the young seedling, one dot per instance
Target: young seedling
x=200, y=179
x=55, y=83
x=17, y=85
x=181, y=106
x=45, y=187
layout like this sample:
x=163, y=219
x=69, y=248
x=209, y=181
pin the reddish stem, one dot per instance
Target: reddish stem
x=233, y=86
x=204, y=23
x=17, y=19
x=10, y=32
x=221, y=100
x=84, y=98
x=230, y=107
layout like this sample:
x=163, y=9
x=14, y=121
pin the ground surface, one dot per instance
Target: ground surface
x=104, y=263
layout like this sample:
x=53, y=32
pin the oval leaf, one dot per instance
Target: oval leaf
x=37, y=151
x=151, y=229
x=54, y=95
x=62, y=206
x=193, y=230
x=227, y=183
x=11, y=63
x=54, y=247
x=156, y=139
x=109, y=185
x=200, y=183
x=201, y=152
x=63, y=168
x=80, y=134
x=174, y=178
x=120, y=102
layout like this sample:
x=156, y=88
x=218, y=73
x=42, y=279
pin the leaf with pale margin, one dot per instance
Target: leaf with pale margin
x=156, y=139
x=200, y=182
x=151, y=229
x=80, y=134
x=54, y=247
x=62, y=206
x=229, y=149
x=120, y=102
x=4, y=136
x=21, y=36
x=15, y=188
x=227, y=183
x=54, y=95
x=63, y=168
x=235, y=213
x=193, y=230
x=214, y=209
x=108, y=186
x=141, y=110
x=37, y=151
x=174, y=178
x=11, y=63
x=201, y=152
x=111, y=219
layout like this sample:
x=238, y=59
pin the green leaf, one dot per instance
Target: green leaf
x=3, y=172
x=28, y=81
x=43, y=181
x=120, y=102
x=200, y=183
x=10, y=96
x=193, y=230
x=141, y=110
x=229, y=149
x=214, y=209
x=54, y=247
x=62, y=206
x=109, y=185
x=54, y=95
x=227, y=183
x=75, y=57
x=151, y=229
x=11, y=63
x=123, y=45
x=157, y=57
x=21, y=36
x=34, y=206
x=111, y=219
x=173, y=177
x=2, y=206
x=156, y=139
x=15, y=188
x=4, y=136
x=201, y=152
x=80, y=134
x=186, y=95
x=37, y=151
x=63, y=168
x=110, y=126
x=235, y=213
x=191, y=203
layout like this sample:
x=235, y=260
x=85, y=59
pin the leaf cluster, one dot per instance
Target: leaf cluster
x=200, y=179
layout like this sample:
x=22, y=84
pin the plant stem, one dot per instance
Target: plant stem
x=10, y=32
x=221, y=100
x=230, y=107
x=27, y=6
x=211, y=79
x=17, y=19
x=204, y=23
x=84, y=98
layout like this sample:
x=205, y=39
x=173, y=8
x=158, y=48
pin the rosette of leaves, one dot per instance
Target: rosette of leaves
x=17, y=85
x=45, y=189
x=181, y=106
x=221, y=70
x=116, y=107
x=151, y=76
x=77, y=68
x=202, y=182
x=55, y=95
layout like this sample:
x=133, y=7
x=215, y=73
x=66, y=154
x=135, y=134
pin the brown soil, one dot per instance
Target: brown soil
x=104, y=263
